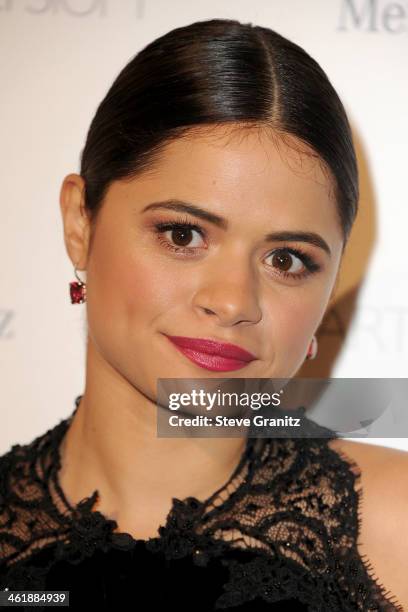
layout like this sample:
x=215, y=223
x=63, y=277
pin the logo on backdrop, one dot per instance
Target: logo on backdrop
x=373, y=16
x=75, y=8
x=6, y=319
x=365, y=15
x=381, y=328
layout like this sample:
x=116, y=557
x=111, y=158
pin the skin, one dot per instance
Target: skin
x=230, y=289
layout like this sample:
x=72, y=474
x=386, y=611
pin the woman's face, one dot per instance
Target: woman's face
x=224, y=278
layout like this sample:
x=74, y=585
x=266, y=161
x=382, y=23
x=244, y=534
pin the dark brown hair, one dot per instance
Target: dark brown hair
x=216, y=72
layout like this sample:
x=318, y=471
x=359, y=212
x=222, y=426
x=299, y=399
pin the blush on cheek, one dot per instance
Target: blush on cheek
x=148, y=293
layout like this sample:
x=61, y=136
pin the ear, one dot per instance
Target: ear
x=75, y=219
x=333, y=294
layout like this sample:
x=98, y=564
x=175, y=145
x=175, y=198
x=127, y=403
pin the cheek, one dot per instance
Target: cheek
x=130, y=289
x=293, y=319
x=147, y=293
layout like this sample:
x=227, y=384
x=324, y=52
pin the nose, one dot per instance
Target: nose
x=229, y=298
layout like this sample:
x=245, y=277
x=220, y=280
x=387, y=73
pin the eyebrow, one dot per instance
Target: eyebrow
x=206, y=215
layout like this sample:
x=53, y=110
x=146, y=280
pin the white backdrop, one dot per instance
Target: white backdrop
x=59, y=57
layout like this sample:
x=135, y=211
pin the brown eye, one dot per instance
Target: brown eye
x=283, y=260
x=178, y=236
x=181, y=236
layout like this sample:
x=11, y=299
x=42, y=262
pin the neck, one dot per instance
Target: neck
x=112, y=445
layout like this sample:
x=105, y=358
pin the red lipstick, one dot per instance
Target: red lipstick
x=212, y=355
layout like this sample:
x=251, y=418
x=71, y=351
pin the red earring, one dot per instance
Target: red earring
x=312, y=351
x=77, y=290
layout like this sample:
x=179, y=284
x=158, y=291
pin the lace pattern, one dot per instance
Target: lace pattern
x=285, y=524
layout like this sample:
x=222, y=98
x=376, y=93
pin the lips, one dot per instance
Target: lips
x=212, y=355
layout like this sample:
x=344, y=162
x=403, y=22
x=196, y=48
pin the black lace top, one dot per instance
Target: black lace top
x=279, y=535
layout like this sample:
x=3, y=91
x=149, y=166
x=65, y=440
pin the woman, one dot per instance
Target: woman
x=217, y=190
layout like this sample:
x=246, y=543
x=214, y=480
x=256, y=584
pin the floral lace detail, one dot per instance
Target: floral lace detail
x=285, y=524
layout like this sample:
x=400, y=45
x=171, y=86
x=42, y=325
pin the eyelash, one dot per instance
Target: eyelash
x=165, y=226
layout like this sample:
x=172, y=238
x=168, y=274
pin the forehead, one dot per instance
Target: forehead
x=258, y=154
x=234, y=169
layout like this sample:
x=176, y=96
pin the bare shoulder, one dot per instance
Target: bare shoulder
x=383, y=510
